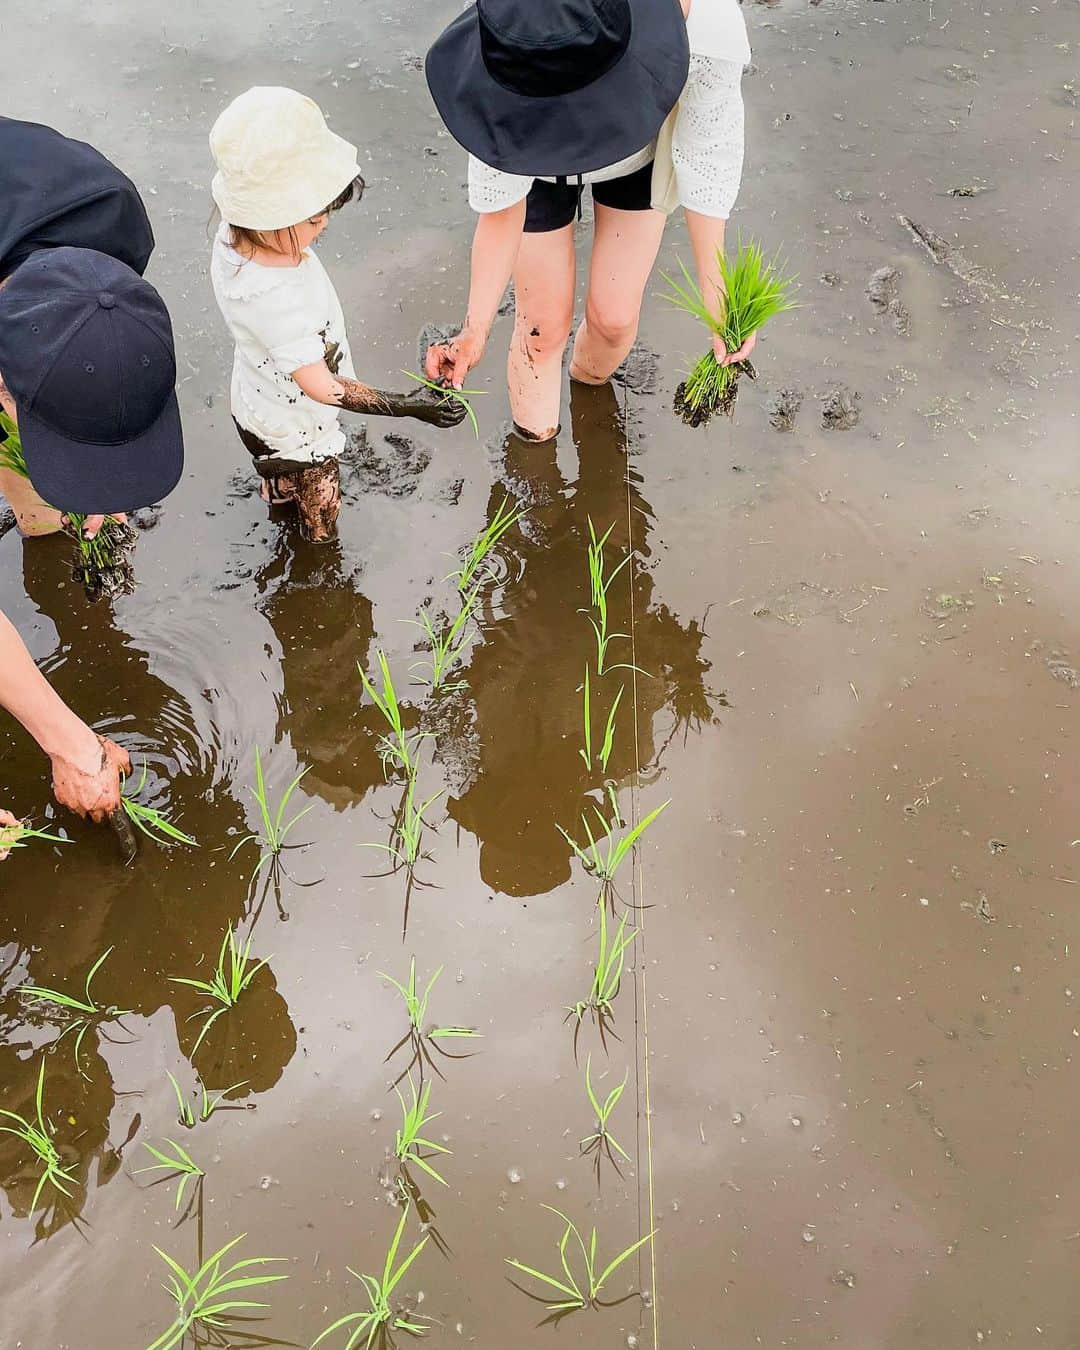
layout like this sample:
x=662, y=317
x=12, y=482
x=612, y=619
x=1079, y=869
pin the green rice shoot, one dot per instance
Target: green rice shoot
x=572, y=1290
x=274, y=828
x=416, y=1005
x=448, y=646
x=600, y=582
x=408, y=1140
x=206, y=1301
x=586, y=751
x=505, y=518
x=185, y=1112
x=397, y=748
x=152, y=822
x=754, y=291
x=180, y=1167
x=607, y=971
x=83, y=1013
x=38, y=1139
x=602, y=1138
x=21, y=835
x=233, y=974
x=11, y=451
x=380, y=1316
x=608, y=841
x=407, y=831
x=452, y=395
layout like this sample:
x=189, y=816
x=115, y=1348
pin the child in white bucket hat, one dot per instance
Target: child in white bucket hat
x=280, y=173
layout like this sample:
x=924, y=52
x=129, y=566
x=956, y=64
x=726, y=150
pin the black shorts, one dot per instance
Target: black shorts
x=552, y=206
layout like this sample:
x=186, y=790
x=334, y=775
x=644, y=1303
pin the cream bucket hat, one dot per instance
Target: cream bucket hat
x=278, y=162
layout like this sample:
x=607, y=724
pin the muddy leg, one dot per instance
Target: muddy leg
x=316, y=490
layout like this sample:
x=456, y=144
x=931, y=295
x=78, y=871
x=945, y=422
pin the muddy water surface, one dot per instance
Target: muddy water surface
x=852, y=1017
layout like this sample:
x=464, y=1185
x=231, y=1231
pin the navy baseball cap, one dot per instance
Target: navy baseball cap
x=86, y=348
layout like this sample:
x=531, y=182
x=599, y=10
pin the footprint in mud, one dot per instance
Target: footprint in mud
x=392, y=468
x=840, y=409
x=640, y=372
x=783, y=407
x=883, y=290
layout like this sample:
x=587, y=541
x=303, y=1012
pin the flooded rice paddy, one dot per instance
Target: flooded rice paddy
x=850, y=1016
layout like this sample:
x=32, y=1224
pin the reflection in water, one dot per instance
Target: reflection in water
x=324, y=626
x=163, y=916
x=530, y=776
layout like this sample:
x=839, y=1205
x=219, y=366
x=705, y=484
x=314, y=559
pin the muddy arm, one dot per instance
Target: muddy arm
x=319, y=383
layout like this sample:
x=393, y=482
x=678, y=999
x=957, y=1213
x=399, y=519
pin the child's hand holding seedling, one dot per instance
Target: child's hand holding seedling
x=87, y=780
x=9, y=828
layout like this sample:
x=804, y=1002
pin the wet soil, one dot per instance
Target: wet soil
x=850, y=1020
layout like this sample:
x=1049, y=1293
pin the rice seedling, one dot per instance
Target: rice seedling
x=407, y=830
x=205, y=1301
x=752, y=292
x=606, y=747
x=11, y=451
x=608, y=970
x=152, y=822
x=607, y=847
x=574, y=1292
x=232, y=975
x=20, y=835
x=380, y=1315
x=505, y=518
x=599, y=585
x=452, y=395
x=101, y=563
x=274, y=830
x=603, y=1138
x=181, y=1167
x=408, y=1141
x=82, y=1013
x=419, y=1034
x=448, y=646
x=185, y=1112
x=37, y=1138
x=397, y=748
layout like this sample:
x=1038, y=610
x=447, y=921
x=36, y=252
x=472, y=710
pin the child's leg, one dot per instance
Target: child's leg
x=33, y=515
x=313, y=488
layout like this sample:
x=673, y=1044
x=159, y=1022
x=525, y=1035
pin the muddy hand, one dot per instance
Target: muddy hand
x=91, y=787
x=726, y=358
x=7, y=821
x=437, y=410
x=450, y=362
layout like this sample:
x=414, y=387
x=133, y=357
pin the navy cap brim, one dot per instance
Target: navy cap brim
x=104, y=479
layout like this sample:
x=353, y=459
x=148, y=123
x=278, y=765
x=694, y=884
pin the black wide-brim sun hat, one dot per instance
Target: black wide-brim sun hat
x=548, y=88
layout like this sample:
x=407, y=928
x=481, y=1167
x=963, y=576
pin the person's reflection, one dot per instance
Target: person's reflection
x=324, y=626
x=526, y=676
x=163, y=916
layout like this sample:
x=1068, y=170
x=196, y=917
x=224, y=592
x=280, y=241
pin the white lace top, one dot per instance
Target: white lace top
x=281, y=318
x=707, y=140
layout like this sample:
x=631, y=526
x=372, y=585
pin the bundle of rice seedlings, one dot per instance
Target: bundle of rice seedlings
x=754, y=291
x=101, y=565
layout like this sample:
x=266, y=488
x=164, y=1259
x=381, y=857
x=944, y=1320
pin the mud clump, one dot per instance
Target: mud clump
x=103, y=566
x=783, y=407
x=395, y=472
x=640, y=372
x=841, y=409
x=1060, y=669
x=883, y=291
x=703, y=414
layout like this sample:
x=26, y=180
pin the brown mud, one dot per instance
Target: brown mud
x=850, y=1019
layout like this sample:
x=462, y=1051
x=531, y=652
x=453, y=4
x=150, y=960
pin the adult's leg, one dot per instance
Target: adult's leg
x=625, y=246
x=544, y=315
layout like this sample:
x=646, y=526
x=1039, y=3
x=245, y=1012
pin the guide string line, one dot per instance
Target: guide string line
x=641, y=999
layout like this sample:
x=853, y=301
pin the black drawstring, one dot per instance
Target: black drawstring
x=580, y=194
